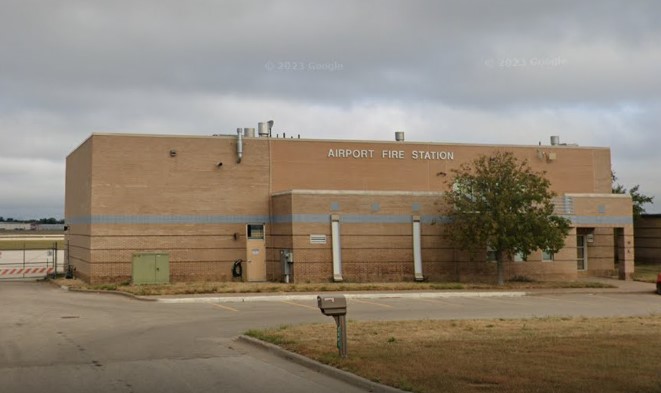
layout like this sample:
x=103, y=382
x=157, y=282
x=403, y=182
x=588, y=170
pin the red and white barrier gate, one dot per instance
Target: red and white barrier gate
x=28, y=272
x=30, y=263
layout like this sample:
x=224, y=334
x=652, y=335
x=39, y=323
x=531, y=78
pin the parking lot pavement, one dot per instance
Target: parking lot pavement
x=59, y=341
x=64, y=341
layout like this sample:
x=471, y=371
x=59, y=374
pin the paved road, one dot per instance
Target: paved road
x=58, y=341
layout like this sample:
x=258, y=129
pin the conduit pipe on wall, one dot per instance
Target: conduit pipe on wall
x=239, y=145
x=337, y=248
x=417, y=249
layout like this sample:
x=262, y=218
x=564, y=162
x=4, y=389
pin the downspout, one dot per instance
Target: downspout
x=337, y=248
x=239, y=145
x=417, y=250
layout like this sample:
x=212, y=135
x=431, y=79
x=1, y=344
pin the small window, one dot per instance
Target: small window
x=547, y=256
x=255, y=231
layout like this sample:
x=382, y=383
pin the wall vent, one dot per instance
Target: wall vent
x=317, y=239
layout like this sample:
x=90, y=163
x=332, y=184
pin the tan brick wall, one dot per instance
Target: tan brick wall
x=601, y=252
x=118, y=177
x=648, y=238
x=304, y=164
x=135, y=175
x=606, y=247
x=370, y=252
x=383, y=251
x=618, y=205
x=280, y=237
x=78, y=202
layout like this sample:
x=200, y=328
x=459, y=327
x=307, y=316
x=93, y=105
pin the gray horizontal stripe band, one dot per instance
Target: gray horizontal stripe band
x=248, y=219
x=601, y=220
x=375, y=219
x=311, y=219
x=279, y=219
x=302, y=219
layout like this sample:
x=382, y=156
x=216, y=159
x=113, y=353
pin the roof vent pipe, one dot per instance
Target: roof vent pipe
x=555, y=140
x=239, y=145
x=263, y=129
x=399, y=136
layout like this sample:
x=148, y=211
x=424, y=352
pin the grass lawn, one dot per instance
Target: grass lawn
x=646, y=273
x=191, y=288
x=531, y=355
x=30, y=244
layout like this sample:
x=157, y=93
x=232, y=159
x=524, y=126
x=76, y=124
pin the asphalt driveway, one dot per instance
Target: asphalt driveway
x=59, y=341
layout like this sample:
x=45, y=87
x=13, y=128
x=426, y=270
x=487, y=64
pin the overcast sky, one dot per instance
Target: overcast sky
x=503, y=72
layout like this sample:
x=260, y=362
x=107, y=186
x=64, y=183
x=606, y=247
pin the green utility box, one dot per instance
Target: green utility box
x=151, y=268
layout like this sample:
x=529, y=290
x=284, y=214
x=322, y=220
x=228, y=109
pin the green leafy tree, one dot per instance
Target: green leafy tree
x=639, y=199
x=500, y=202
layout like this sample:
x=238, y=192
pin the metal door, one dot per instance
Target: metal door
x=150, y=268
x=255, y=253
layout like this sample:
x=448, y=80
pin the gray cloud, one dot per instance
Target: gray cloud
x=460, y=71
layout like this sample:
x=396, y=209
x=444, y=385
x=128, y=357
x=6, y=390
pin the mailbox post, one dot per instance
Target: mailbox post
x=336, y=306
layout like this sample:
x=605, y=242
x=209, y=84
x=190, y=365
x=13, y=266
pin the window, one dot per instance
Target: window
x=491, y=254
x=255, y=231
x=520, y=257
x=547, y=256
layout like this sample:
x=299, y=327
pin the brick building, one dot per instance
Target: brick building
x=154, y=208
x=647, y=229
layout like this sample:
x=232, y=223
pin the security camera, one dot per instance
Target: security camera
x=219, y=164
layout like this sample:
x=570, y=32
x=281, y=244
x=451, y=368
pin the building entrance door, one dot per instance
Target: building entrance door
x=255, y=253
x=581, y=253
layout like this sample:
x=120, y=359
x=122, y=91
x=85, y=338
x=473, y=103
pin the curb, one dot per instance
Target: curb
x=102, y=292
x=588, y=292
x=279, y=298
x=274, y=297
x=352, y=379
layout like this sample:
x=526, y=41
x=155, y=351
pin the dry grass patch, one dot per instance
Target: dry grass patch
x=533, y=355
x=30, y=244
x=194, y=288
x=646, y=273
x=210, y=287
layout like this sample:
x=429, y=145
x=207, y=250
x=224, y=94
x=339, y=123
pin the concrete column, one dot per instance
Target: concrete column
x=626, y=246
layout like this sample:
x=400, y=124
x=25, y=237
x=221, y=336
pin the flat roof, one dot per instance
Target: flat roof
x=298, y=140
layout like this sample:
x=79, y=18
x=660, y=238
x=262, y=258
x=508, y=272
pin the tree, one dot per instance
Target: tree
x=499, y=202
x=50, y=220
x=639, y=199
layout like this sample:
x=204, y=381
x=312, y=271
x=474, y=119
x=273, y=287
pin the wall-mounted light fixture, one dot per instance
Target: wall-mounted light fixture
x=173, y=153
x=219, y=164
